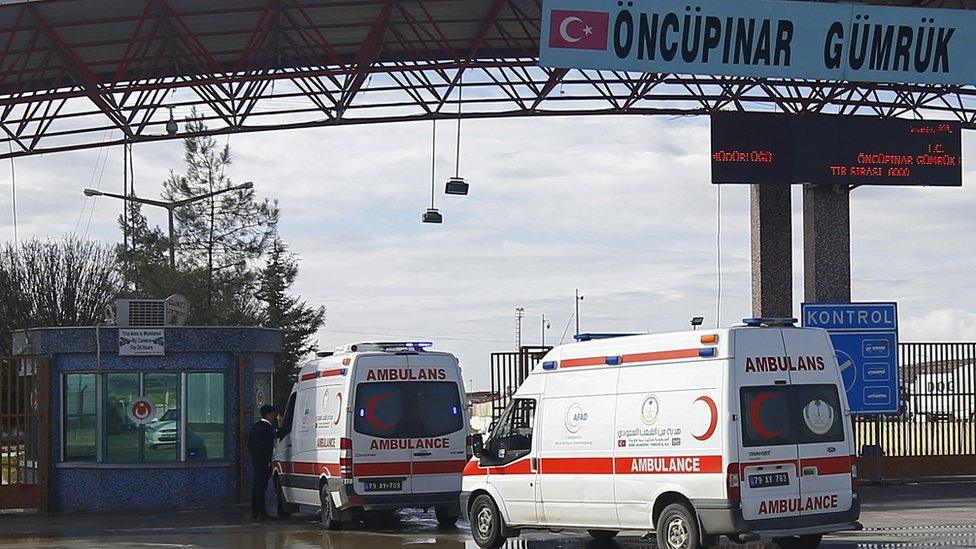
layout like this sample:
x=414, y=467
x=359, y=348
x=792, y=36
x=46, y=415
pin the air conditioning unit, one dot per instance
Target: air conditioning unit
x=140, y=313
x=151, y=313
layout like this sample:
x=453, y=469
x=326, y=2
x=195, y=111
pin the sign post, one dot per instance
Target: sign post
x=865, y=338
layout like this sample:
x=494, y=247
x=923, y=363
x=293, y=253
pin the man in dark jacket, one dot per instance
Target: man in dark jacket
x=260, y=444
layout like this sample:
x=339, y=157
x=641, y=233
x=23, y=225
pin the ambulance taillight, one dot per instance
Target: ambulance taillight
x=345, y=460
x=469, y=447
x=853, y=474
x=732, y=482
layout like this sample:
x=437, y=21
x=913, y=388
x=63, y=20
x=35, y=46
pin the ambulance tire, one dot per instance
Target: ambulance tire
x=329, y=511
x=487, y=526
x=677, y=528
x=799, y=542
x=445, y=519
x=284, y=508
x=602, y=535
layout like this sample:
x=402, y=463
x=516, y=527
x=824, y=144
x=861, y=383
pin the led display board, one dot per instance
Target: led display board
x=834, y=150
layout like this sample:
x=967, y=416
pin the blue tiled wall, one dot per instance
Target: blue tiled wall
x=182, y=486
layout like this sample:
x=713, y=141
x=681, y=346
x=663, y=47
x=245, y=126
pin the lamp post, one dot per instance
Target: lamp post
x=545, y=326
x=170, y=207
x=578, y=299
x=519, y=314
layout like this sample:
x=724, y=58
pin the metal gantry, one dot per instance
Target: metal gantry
x=78, y=74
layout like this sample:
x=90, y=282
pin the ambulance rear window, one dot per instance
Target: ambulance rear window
x=766, y=416
x=775, y=415
x=408, y=409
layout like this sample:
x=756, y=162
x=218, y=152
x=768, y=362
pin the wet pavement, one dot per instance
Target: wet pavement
x=896, y=517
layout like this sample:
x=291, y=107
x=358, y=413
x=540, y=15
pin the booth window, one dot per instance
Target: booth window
x=205, y=416
x=121, y=436
x=188, y=421
x=80, y=417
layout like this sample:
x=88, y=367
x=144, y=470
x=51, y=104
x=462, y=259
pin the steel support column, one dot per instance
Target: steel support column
x=826, y=244
x=772, y=251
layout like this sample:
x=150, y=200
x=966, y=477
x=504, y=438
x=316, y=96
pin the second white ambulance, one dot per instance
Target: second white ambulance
x=375, y=426
x=743, y=432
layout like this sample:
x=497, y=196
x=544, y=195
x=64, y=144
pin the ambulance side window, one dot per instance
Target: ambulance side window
x=289, y=416
x=512, y=436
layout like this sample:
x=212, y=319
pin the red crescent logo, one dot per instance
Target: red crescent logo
x=339, y=411
x=713, y=410
x=371, y=412
x=757, y=423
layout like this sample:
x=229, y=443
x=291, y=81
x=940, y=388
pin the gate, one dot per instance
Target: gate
x=24, y=433
x=508, y=371
x=935, y=432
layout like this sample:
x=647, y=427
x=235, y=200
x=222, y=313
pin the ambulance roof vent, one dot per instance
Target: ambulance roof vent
x=769, y=322
x=386, y=346
x=592, y=336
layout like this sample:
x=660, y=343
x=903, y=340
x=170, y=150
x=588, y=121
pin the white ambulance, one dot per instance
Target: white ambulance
x=743, y=432
x=375, y=426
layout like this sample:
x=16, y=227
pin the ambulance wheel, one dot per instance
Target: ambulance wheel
x=445, y=519
x=329, y=512
x=602, y=534
x=486, y=523
x=799, y=542
x=677, y=528
x=284, y=508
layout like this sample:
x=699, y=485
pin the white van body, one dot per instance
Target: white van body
x=374, y=426
x=747, y=426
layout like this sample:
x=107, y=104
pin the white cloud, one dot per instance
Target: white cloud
x=940, y=325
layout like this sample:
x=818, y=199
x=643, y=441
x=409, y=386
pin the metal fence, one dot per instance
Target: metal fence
x=508, y=371
x=938, y=405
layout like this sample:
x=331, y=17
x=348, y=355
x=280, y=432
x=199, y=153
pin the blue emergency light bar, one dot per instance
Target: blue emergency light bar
x=755, y=322
x=592, y=337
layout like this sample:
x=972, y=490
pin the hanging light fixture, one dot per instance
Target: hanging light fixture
x=456, y=185
x=432, y=215
x=171, y=126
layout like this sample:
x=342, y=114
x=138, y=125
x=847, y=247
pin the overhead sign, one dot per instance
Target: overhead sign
x=141, y=411
x=832, y=149
x=865, y=338
x=761, y=38
x=142, y=342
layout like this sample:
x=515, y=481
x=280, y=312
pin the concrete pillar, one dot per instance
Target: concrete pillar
x=826, y=243
x=772, y=251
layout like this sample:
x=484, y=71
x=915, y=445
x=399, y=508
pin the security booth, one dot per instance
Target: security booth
x=143, y=417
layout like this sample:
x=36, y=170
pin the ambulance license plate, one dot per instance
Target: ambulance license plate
x=769, y=479
x=383, y=485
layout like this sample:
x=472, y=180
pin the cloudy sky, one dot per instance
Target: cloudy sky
x=620, y=207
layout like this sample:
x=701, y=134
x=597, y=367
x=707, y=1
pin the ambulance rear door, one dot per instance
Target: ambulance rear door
x=822, y=426
x=381, y=456
x=768, y=473
x=439, y=427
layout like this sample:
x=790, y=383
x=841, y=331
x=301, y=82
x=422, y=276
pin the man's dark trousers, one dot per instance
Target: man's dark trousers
x=262, y=474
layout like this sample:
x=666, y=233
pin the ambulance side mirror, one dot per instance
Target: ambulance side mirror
x=478, y=445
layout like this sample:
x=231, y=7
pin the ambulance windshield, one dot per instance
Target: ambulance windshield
x=408, y=409
x=775, y=415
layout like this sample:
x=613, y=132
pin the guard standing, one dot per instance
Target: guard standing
x=260, y=444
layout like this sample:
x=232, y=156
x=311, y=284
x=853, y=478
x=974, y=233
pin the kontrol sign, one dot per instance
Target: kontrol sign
x=760, y=38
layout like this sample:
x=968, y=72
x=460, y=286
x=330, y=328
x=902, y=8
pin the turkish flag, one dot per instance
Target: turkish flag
x=583, y=30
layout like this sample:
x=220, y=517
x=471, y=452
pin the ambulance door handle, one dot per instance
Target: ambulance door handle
x=421, y=454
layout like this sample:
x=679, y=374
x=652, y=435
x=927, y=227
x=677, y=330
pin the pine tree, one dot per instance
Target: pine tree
x=222, y=237
x=290, y=313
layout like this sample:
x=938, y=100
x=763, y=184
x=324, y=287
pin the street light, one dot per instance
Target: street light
x=578, y=299
x=545, y=326
x=170, y=206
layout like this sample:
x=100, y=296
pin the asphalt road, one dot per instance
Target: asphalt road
x=931, y=515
